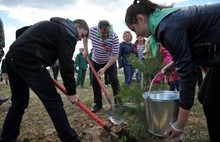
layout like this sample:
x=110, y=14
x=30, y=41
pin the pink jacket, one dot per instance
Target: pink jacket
x=167, y=59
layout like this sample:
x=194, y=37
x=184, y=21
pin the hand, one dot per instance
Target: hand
x=73, y=99
x=121, y=70
x=101, y=72
x=77, y=68
x=168, y=68
x=173, y=131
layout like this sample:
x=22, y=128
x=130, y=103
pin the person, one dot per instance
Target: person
x=2, y=45
x=191, y=35
x=126, y=49
x=172, y=78
x=81, y=67
x=38, y=47
x=55, y=69
x=90, y=69
x=139, y=47
x=4, y=72
x=105, y=44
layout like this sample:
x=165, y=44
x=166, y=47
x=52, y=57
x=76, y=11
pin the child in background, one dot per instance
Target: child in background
x=173, y=79
x=139, y=47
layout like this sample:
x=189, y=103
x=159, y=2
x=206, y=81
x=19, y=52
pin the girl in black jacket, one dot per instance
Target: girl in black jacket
x=191, y=35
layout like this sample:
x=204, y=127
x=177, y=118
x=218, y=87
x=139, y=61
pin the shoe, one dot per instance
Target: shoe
x=3, y=101
x=96, y=108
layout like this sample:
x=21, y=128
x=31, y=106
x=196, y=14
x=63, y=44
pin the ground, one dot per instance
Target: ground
x=37, y=126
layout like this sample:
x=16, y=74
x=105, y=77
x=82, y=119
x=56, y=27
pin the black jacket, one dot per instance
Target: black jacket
x=2, y=39
x=46, y=42
x=192, y=36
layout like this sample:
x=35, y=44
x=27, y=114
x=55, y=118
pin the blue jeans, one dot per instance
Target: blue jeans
x=138, y=77
x=34, y=75
x=128, y=72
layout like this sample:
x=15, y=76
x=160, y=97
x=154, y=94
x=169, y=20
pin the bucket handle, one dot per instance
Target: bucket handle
x=151, y=84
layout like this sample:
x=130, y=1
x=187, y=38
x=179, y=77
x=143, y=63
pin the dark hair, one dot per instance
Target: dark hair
x=103, y=24
x=82, y=24
x=143, y=7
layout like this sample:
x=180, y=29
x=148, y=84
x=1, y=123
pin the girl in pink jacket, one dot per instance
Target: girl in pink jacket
x=173, y=79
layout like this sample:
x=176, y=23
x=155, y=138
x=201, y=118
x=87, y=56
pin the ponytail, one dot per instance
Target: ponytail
x=141, y=7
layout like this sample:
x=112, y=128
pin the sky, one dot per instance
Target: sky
x=18, y=13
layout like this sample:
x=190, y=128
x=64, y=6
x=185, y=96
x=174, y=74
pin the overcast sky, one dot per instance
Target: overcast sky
x=18, y=13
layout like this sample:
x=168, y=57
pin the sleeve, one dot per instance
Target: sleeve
x=66, y=50
x=176, y=42
x=77, y=60
x=2, y=40
x=2, y=35
x=115, y=44
x=120, y=56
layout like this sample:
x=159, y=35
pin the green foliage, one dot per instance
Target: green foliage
x=131, y=96
x=132, y=100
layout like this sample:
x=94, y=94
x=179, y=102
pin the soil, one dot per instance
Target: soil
x=37, y=126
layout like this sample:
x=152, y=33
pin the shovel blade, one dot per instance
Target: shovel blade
x=115, y=114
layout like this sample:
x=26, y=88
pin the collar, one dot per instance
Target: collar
x=154, y=20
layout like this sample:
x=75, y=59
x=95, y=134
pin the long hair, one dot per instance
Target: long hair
x=141, y=7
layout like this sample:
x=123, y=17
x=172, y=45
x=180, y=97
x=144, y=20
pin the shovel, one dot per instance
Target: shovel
x=86, y=110
x=99, y=81
x=115, y=112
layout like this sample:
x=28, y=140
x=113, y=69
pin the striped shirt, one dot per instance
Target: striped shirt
x=103, y=49
x=140, y=50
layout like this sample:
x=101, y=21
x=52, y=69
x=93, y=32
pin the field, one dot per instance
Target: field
x=37, y=126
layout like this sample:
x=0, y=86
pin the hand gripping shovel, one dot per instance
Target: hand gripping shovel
x=115, y=112
x=86, y=110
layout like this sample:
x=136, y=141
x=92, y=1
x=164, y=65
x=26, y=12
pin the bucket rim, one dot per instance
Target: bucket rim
x=146, y=95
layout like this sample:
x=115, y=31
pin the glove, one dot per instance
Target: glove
x=121, y=71
x=77, y=68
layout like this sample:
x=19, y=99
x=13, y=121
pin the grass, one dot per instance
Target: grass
x=37, y=126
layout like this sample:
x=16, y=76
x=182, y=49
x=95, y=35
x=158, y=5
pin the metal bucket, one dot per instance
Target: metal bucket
x=161, y=109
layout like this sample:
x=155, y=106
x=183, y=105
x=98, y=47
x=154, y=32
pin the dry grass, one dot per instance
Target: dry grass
x=37, y=126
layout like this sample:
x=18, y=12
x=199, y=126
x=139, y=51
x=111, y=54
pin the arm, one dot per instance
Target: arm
x=120, y=56
x=65, y=55
x=2, y=40
x=168, y=68
x=179, y=49
x=2, y=35
x=114, y=54
x=110, y=62
x=85, y=45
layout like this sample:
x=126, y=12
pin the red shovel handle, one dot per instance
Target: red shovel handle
x=86, y=110
x=99, y=81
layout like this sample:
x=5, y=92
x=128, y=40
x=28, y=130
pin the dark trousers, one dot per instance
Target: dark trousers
x=81, y=77
x=55, y=72
x=209, y=97
x=90, y=75
x=34, y=75
x=112, y=71
x=107, y=79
